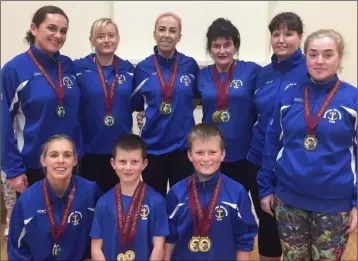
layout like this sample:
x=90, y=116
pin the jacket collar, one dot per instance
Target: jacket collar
x=45, y=59
x=88, y=62
x=165, y=61
x=288, y=64
x=210, y=182
x=323, y=85
x=52, y=194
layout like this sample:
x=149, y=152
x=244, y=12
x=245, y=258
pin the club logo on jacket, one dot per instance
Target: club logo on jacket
x=185, y=79
x=75, y=218
x=144, y=212
x=236, y=84
x=121, y=78
x=332, y=115
x=67, y=82
x=220, y=212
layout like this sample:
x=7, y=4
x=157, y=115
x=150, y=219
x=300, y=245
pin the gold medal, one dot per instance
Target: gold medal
x=216, y=116
x=56, y=250
x=165, y=108
x=224, y=116
x=121, y=257
x=204, y=244
x=108, y=120
x=310, y=142
x=130, y=255
x=60, y=111
x=193, y=244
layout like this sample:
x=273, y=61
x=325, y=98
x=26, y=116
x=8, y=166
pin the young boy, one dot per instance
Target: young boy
x=130, y=220
x=210, y=215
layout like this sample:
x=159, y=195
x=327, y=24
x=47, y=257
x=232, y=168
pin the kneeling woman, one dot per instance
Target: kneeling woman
x=52, y=219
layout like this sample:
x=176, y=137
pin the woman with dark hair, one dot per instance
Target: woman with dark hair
x=40, y=98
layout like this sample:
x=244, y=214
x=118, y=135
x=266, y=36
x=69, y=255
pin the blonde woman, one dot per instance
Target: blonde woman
x=308, y=174
x=105, y=81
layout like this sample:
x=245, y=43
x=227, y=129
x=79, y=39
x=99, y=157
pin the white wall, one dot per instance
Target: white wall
x=136, y=20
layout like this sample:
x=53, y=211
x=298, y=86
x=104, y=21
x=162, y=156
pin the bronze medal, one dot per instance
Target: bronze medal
x=204, y=244
x=109, y=120
x=216, y=116
x=193, y=244
x=165, y=108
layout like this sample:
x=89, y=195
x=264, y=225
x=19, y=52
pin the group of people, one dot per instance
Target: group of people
x=285, y=133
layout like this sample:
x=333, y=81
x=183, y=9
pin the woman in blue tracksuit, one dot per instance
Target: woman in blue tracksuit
x=52, y=219
x=40, y=98
x=164, y=86
x=308, y=174
x=105, y=81
x=286, y=68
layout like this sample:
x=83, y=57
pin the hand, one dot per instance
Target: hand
x=19, y=183
x=352, y=221
x=267, y=203
x=140, y=117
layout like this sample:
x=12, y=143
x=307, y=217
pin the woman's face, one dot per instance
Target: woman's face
x=105, y=40
x=285, y=42
x=222, y=51
x=51, y=34
x=167, y=34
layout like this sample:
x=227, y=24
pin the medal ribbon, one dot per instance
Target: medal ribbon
x=311, y=124
x=127, y=224
x=166, y=89
x=202, y=220
x=57, y=231
x=222, y=88
x=58, y=91
x=108, y=98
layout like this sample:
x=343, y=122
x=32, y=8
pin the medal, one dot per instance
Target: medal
x=193, y=244
x=108, y=97
x=216, y=116
x=130, y=255
x=165, y=107
x=56, y=250
x=57, y=231
x=121, y=257
x=108, y=120
x=310, y=142
x=204, y=244
x=59, y=92
x=60, y=111
x=224, y=116
x=221, y=114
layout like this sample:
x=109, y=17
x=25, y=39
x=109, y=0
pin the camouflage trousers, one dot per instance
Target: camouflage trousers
x=308, y=235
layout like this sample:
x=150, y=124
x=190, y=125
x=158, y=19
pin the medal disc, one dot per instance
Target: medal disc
x=165, y=108
x=310, y=142
x=121, y=257
x=108, y=120
x=193, y=244
x=60, y=111
x=56, y=250
x=216, y=116
x=225, y=116
x=130, y=255
x=204, y=244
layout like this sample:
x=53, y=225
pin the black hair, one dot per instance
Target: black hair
x=40, y=16
x=222, y=27
x=130, y=142
x=289, y=19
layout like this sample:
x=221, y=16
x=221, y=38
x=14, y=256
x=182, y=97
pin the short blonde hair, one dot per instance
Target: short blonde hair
x=334, y=35
x=98, y=24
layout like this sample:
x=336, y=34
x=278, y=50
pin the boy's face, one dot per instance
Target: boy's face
x=129, y=165
x=206, y=155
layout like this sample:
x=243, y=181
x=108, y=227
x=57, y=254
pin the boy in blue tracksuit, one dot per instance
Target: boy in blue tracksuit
x=308, y=174
x=130, y=220
x=228, y=232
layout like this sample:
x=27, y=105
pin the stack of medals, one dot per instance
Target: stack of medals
x=310, y=142
x=59, y=92
x=57, y=231
x=200, y=241
x=165, y=107
x=108, y=98
x=127, y=224
x=222, y=114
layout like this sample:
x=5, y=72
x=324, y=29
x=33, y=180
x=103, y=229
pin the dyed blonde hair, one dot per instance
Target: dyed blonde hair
x=98, y=24
x=334, y=35
x=176, y=17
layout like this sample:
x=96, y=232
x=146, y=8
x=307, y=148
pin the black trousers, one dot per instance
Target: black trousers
x=245, y=173
x=98, y=168
x=173, y=166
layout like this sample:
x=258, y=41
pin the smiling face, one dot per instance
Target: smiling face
x=129, y=164
x=105, y=38
x=167, y=34
x=285, y=42
x=51, y=34
x=223, y=51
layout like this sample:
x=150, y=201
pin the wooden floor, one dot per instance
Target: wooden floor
x=349, y=255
